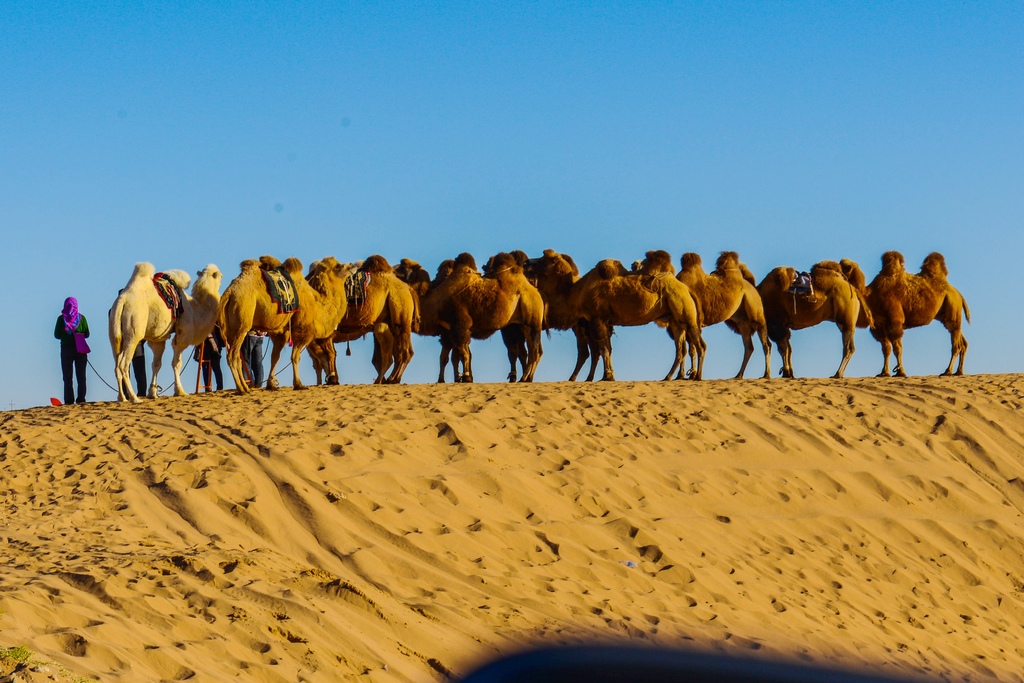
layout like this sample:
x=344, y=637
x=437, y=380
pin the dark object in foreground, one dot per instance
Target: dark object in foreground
x=605, y=664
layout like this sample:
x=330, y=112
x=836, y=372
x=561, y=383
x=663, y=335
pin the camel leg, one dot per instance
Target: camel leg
x=679, y=340
x=702, y=350
x=748, y=351
x=766, y=344
x=897, y=351
x=122, y=366
x=157, y=347
x=176, y=351
x=297, y=384
x=848, y=350
x=234, y=355
x=534, y=350
x=582, y=349
x=886, y=350
x=601, y=337
x=277, y=344
x=402, y=352
x=446, y=350
x=958, y=346
x=515, y=342
x=786, y=352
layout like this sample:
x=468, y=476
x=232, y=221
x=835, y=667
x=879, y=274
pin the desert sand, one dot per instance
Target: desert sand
x=410, y=533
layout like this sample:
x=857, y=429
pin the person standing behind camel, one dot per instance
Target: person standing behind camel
x=252, y=356
x=139, y=367
x=211, y=350
x=72, y=329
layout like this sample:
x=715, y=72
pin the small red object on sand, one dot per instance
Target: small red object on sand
x=55, y=402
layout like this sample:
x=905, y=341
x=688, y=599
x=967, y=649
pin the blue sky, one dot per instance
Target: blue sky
x=189, y=133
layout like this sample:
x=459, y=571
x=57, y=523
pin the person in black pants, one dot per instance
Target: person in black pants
x=72, y=329
x=139, y=367
x=212, y=347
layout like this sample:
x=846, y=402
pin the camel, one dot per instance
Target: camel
x=610, y=295
x=900, y=300
x=424, y=291
x=389, y=311
x=474, y=306
x=247, y=305
x=838, y=295
x=555, y=275
x=139, y=313
x=727, y=296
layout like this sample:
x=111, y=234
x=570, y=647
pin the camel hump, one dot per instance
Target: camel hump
x=854, y=275
x=893, y=262
x=690, y=260
x=550, y=254
x=294, y=266
x=657, y=261
x=143, y=270
x=609, y=268
x=375, y=264
x=519, y=256
x=409, y=264
x=572, y=264
x=179, y=278
x=249, y=264
x=934, y=265
x=727, y=260
x=269, y=262
x=466, y=260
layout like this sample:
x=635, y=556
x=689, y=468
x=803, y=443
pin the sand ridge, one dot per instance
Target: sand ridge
x=406, y=533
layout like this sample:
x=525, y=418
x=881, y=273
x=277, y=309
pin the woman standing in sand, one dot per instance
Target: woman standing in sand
x=72, y=329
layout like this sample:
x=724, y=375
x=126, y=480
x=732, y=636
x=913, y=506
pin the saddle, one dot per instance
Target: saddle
x=170, y=294
x=802, y=285
x=281, y=289
x=356, y=286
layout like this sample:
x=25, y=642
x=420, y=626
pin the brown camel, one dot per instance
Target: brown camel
x=388, y=310
x=425, y=292
x=610, y=295
x=555, y=276
x=726, y=296
x=475, y=306
x=900, y=300
x=247, y=305
x=837, y=295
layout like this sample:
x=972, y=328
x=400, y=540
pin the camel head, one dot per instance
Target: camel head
x=657, y=261
x=893, y=263
x=464, y=263
x=327, y=269
x=727, y=260
x=209, y=278
x=376, y=264
x=934, y=266
x=690, y=261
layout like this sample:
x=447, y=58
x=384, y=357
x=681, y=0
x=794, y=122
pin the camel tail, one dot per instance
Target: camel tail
x=967, y=311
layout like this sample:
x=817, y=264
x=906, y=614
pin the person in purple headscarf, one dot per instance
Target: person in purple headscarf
x=72, y=329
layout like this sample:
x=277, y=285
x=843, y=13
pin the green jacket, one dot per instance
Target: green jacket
x=68, y=338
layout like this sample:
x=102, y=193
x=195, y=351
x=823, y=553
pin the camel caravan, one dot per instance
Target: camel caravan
x=521, y=297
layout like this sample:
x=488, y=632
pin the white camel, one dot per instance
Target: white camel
x=140, y=314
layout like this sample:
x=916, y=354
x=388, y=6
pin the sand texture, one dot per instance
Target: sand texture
x=408, y=533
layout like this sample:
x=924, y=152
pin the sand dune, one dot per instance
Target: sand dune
x=408, y=533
